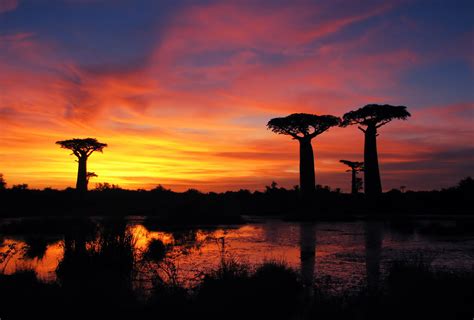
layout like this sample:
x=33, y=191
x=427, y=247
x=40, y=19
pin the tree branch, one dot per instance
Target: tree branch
x=296, y=137
x=290, y=133
x=361, y=129
x=313, y=134
x=382, y=123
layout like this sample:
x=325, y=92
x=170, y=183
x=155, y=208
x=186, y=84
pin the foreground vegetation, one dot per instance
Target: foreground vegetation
x=411, y=290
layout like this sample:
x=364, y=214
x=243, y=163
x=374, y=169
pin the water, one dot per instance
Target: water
x=343, y=256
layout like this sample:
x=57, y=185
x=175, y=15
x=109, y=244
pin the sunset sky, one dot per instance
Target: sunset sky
x=182, y=90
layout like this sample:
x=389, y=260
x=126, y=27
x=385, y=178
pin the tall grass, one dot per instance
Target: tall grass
x=412, y=289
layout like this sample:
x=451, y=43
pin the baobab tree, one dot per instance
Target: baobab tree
x=82, y=149
x=371, y=117
x=304, y=127
x=355, y=168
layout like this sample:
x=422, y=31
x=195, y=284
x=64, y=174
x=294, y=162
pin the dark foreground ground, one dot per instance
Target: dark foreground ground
x=234, y=291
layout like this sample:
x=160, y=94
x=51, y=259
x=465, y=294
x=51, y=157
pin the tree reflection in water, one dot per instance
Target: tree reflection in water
x=308, y=257
x=373, y=250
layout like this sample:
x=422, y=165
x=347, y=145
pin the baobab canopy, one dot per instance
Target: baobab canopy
x=375, y=114
x=355, y=165
x=82, y=147
x=303, y=125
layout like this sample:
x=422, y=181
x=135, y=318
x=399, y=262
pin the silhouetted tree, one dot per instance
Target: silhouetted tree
x=3, y=183
x=372, y=117
x=356, y=167
x=304, y=127
x=466, y=184
x=82, y=149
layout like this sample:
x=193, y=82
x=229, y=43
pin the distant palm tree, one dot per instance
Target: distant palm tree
x=304, y=127
x=355, y=168
x=372, y=117
x=82, y=149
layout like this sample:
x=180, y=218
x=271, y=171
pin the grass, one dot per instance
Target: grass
x=272, y=290
x=411, y=290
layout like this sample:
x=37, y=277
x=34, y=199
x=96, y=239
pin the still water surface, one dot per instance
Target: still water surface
x=345, y=256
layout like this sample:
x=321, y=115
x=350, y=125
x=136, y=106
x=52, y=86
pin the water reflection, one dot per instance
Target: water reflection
x=308, y=256
x=99, y=266
x=97, y=253
x=373, y=253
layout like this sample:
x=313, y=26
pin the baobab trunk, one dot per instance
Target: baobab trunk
x=372, y=184
x=307, y=178
x=81, y=184
x=354, y=187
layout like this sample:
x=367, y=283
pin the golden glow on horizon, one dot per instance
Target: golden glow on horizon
x=220, y=159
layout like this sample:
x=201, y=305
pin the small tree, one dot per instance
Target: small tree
x=355, y=168
x=90, y=175
x=370, y=118
x=3, y=183
x=304, y=127
x=82, y=149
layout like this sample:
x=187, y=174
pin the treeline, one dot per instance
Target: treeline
x=193, y=206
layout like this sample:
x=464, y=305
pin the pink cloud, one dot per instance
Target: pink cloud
x=8, y=5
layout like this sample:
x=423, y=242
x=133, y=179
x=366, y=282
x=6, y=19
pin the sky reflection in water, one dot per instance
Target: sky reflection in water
x=348, y=255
